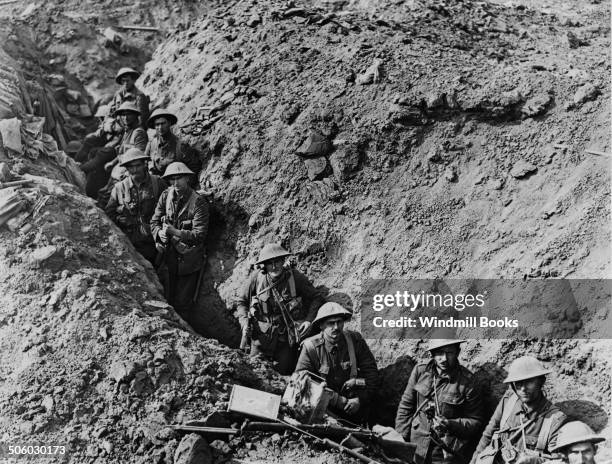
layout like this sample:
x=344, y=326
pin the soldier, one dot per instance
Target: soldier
x=165, y=147
x=276, y=308
x=179, y=227
x=126, y=78
x=577, y=442
x=108, y=134
x=525, y=424
x=344, y=360
x=133, y=200
x=441, y=408
x=102, y=160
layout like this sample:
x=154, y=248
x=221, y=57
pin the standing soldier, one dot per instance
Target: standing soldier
x=133, y=200
x=276, y=308
x=126, y=78
x=525, y=424
x=344, y=360
x=179, y=227
x=165, y=147
x=441, y=409
x=577, y=442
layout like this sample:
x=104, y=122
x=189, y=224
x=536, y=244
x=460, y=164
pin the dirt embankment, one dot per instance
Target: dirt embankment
x=450, y=142
x=437, y=140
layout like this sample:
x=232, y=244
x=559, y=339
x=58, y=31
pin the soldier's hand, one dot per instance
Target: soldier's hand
x=440, y=424
x=348, y=386
x=172, y=231
x=352, y=406
x=163, y=236
x=304, y=326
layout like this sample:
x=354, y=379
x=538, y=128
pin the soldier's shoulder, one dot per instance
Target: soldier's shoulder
x=314, y=340
x=466, y=373
x=355, y=335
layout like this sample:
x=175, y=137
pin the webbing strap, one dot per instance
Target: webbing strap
x=544, y=434
x=351, y=352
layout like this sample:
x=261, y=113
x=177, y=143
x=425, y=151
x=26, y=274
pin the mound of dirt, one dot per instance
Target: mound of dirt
x=441, y=139
x=375, y=139
x=92, y=358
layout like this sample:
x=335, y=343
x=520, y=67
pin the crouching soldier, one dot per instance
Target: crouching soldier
x=179, y=226
x=525, y=425
x=440, y=409
x=276, y=308
x=344, y=360
x=577, y=442
x=133, y=200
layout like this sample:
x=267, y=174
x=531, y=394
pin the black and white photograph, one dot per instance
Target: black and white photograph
x=305, y=231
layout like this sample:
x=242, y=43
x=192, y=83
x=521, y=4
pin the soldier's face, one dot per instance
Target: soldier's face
x=332, y=328
x=128, y=119
x=446, y=357
x=128, y=82
x=581, y=453
x=137, y=170
x=529, y=390
x=162, y=126
x=180, y=183
x=274, y=268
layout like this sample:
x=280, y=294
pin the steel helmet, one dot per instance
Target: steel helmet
x=575, y=432
x=73, y=146
x=127, y=107
x=444, y=336
x=125, y=71
x=271, y=251
x=133, y=154
x=330, y=309
x=177, y=169
x=161, y=113
x=525, y=367
x=102, y=111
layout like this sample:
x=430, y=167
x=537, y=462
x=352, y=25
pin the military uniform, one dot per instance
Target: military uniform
x=457, y=400
x=94, y=168
x=166, y=150
x=184, y=256
x=540, y=427
x=131, y=207
x=336, y=364
x=135, y=95
x=269, y=334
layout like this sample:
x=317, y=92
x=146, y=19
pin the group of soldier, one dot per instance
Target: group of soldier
x=441, y=410
x=147, y=188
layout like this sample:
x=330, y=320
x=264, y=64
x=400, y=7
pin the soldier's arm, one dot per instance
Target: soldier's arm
x=140, y=139
x=305, y=361
x=407, y=406
x=199, y=223
x=367, y=369
x=243, y=299
x=473, y=415
x=311, y=296
x=156, y=219
x=491, y=428
x=557, y=421
x=111, y=206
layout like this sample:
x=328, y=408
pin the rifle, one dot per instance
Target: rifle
x=319, y=432
x=293, y=334
x=200, y=276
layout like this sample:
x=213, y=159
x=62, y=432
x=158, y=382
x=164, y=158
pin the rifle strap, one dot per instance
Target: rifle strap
x=351, y=352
